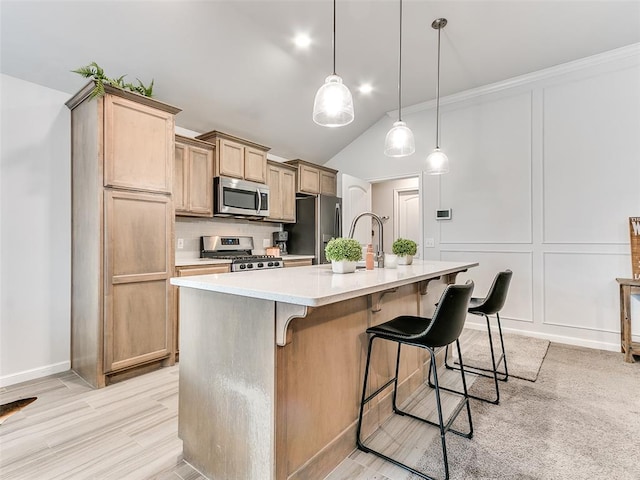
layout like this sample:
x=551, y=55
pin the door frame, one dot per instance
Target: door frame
x=421, y=200
x=396, y=223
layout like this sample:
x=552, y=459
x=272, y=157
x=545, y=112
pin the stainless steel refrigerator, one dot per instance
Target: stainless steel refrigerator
x=318, y=220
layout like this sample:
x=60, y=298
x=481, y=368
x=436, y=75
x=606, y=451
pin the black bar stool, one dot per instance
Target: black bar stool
x=428, y=333
x=489, y=305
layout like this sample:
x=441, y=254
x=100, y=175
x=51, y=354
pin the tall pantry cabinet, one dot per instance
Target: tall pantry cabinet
x=122, y=234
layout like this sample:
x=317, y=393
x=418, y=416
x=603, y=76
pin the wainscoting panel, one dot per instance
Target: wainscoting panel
x=580, y=290
x=489, y=185
x=591, y=140
x=519, y=304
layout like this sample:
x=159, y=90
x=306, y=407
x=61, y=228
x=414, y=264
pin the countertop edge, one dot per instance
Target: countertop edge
x=193, y=282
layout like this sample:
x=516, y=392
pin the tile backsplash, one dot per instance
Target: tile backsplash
x=190, y=229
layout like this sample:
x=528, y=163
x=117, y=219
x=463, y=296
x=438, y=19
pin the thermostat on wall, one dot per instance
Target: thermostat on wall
x=443, y=214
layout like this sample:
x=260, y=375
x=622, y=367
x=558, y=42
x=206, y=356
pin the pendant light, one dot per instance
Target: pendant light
x=399, y=141
x=333, y=105
x=437, y=161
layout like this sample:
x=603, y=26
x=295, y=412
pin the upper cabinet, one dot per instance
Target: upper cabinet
x=138, y=145
x=237, y=158
x=193, y=177
x=281, y=179
x=314, y=178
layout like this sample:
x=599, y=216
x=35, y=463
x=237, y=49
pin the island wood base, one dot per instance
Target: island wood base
x=252, y=409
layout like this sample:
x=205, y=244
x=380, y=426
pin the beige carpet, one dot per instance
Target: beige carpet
x=524, y=354
x=579, y=420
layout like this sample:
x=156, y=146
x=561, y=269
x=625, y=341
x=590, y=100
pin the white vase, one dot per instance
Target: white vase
x=405, y=259
x=343, y=266
x=390, y=260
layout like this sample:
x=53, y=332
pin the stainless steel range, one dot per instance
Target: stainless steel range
x=238, y=250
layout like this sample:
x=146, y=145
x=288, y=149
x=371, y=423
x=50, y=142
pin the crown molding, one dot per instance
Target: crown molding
x=610, y=56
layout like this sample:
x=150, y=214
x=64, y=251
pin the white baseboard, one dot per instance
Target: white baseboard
x=578, y=342
x=39, y=372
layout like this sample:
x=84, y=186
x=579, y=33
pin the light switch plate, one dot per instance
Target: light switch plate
x=266, y=242
x=429, y=242
x=180, y=244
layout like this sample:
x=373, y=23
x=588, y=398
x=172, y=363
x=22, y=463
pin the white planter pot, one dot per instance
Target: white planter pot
x=343, y=266
x=405, y=259
x=390, y=260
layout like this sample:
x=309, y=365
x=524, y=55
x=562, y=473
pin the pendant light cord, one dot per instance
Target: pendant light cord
x=400, y=69
x=438, y=94
x=334, y=37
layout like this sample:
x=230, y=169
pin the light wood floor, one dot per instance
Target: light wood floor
x=130, y=431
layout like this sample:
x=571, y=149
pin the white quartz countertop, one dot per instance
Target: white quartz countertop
x=317, y=285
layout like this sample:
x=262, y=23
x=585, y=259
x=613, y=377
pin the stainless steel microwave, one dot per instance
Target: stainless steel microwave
x=240, y=197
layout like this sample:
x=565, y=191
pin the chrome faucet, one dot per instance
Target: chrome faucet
x=379, y=258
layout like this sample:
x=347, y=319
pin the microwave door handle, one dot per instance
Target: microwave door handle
x=259, y=199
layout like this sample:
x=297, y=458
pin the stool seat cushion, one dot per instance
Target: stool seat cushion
x=402, y=327
x=412, y=330
x=475, y=303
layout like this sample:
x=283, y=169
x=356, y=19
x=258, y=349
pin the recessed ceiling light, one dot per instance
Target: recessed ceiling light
x=302, y=40
x=365, y=88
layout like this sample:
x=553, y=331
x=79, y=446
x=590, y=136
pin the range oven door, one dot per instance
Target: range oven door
x=240, y=197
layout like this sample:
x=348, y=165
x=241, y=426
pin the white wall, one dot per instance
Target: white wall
x=35, y=231
x=545, y=171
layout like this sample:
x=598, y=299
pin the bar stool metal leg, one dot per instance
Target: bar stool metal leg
x=489, y=305
x=444, y=428
x=480, y=371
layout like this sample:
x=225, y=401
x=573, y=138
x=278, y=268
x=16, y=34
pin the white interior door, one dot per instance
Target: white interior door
x=407, y=216
x=356, y=198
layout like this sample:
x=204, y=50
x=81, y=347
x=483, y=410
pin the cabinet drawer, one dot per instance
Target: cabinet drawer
x=208, y=270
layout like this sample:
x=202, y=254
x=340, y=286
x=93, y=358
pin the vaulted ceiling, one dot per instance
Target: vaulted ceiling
x=232, y=65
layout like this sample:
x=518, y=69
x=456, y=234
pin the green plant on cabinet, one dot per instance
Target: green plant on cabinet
x=96, y=73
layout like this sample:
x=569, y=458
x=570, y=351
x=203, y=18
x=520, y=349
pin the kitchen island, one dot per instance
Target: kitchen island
x=271, y=363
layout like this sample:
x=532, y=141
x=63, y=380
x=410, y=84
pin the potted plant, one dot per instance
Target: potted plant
x=344, y=254
x=94, y=72
x=405, y=249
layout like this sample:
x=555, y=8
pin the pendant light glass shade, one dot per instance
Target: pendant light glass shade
x=333, y=105
x=437, y=163
x=399, y=141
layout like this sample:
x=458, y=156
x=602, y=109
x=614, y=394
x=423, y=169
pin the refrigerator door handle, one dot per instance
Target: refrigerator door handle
x=337, y=226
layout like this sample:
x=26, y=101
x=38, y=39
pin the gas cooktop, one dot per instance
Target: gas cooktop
x=238, y=250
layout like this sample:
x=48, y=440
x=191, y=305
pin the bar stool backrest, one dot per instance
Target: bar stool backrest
x=450, y=315
x=494, y=301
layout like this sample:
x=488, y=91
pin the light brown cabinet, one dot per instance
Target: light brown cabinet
x=281, y=179
x=138, y=145
x=298, y=262
x=193, y=177
x=237, y=158
x=122, y=234
x=189, y=271
x=314, y=178
x=138, y=263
